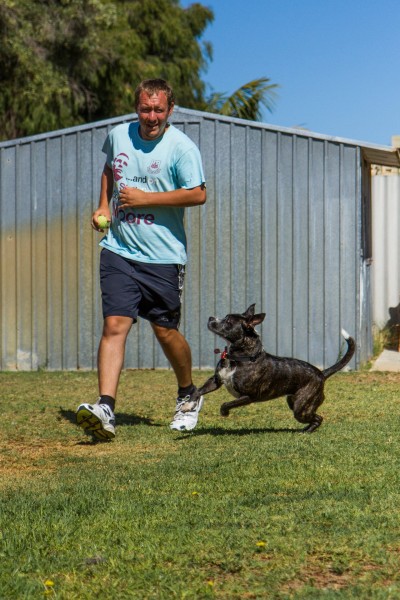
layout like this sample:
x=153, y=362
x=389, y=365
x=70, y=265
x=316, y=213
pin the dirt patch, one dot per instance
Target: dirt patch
x=326, y=577
x=22, y=460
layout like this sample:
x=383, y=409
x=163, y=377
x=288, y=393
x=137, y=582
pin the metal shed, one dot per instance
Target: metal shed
x=286, y=225
x=386, y=249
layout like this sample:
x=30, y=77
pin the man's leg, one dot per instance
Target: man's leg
x=189, y=403
x=177, y=351
x=111, y=354
x=98, y=419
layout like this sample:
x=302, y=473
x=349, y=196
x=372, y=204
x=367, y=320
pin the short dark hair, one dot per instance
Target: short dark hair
x=154, y=86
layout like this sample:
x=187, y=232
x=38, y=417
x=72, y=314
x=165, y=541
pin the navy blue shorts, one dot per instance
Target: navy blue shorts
x=131, y=289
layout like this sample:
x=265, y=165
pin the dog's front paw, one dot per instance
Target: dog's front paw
x=224, y=410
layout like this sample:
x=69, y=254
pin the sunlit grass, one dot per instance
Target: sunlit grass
x=243, y=507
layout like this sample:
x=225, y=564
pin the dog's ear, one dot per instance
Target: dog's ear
x=256, y=320
x=249, y=312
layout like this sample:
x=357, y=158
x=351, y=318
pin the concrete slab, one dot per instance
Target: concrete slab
x=389, y=360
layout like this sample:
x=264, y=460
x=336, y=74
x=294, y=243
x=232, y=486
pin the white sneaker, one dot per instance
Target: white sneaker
x=186, y=414
x=97, y=419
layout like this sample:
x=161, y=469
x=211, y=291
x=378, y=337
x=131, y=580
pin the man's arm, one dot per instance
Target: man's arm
x=133, y=197
x=106, y=190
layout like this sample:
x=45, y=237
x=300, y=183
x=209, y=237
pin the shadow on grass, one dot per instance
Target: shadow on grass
x=237, y=432
x=122, y=419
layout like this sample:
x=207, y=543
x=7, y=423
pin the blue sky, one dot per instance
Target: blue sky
x=337, y=62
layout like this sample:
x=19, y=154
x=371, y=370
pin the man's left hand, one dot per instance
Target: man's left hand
x=131, y=196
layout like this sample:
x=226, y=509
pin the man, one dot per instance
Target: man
x=152, y=172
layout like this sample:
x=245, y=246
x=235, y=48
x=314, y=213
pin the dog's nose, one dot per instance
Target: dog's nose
x=211, y=319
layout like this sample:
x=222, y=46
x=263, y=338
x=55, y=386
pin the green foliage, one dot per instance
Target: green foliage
x=50, y=56
x=243, y=507
x=65, y=62
x=246, y=102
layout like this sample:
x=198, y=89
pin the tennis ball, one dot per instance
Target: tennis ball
x=102, y=222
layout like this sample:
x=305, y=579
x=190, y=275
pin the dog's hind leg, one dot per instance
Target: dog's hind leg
x=315, y=423
x=226, y=406
x=290, y=401
x=305, y=407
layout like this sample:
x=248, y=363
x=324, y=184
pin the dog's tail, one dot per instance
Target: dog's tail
x=351, y=346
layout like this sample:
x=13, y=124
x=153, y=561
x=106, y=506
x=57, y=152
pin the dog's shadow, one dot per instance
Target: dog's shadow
x=215, y=431
x=122, y=418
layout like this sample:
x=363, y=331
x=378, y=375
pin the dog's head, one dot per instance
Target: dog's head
x=235, y=327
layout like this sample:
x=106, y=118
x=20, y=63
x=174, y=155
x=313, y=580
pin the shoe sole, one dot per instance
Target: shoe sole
x=185, y=428
x=92, y=425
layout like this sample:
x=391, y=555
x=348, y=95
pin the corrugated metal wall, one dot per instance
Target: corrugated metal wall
x=281, y=228
x=386, y=247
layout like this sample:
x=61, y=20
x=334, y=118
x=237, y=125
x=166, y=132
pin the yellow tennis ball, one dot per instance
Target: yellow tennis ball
x=102, y=222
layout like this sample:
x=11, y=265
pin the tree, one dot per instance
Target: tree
x=246, y=102
x=43, y=46
x=67, y=62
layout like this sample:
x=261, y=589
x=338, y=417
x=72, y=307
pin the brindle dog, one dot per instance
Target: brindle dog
x=252, y=375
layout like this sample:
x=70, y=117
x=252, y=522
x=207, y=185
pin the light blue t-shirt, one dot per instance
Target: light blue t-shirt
x=150, y=234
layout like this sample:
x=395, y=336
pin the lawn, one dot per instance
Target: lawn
x=241, y=508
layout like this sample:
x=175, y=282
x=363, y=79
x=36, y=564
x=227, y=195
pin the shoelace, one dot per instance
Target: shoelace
x=108, y=412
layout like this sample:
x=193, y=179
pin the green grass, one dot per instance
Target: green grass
x=241, y=508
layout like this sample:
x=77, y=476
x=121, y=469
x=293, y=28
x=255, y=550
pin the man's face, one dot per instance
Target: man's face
x=153, y=113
